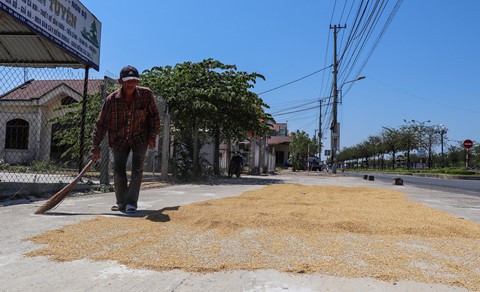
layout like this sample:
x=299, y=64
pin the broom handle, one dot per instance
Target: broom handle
x=59, y=196
x=84, y=170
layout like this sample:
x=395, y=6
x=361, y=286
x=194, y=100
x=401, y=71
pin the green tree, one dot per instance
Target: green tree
x=374, y=145
x=349, y=155
x=474, y=157
x=69, y=133
x=301, y=147
x=392, y=142
x=455, y=155
x=208, y=100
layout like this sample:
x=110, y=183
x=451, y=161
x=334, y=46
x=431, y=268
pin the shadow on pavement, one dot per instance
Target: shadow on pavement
x=138, y=214
x=158, y=216
x=248, y=180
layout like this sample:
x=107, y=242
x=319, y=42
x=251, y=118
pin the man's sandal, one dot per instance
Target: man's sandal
x=116, y=208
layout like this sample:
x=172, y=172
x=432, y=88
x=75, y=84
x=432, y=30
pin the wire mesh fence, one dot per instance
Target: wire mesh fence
x=34, y=145
x=46, y=129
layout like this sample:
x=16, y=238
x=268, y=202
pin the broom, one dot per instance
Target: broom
x=58, y=197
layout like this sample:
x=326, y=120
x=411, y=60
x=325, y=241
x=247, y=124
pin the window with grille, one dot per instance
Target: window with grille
x=17, y=134
x=68, y=100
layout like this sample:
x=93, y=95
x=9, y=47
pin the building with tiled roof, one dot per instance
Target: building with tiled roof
x=279, y=140
x=26, y=114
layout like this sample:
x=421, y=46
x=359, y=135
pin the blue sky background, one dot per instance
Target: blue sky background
x=426, y=66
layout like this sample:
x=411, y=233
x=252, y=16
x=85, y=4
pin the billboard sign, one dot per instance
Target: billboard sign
x=66, y=22
x=422, y=153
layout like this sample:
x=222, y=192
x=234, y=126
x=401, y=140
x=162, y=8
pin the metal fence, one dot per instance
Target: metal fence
x=46, y=129
x=33, y=137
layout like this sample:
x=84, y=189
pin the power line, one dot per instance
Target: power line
x=363, y=17
x=384, y=29
x=363, y=35
x=372, y=22
x=290, y=107
x=296, y=111
x=290, y=103
x=313, y=73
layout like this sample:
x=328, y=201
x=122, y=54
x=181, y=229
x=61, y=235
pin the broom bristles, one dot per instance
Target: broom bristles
x=59, y=196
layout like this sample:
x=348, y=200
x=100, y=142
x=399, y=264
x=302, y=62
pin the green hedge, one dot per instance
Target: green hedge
x=455, y=171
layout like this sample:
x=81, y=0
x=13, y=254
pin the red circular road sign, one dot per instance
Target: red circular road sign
x=467, y=143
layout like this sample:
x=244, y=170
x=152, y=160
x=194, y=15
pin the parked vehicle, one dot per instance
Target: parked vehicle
x=312, y=163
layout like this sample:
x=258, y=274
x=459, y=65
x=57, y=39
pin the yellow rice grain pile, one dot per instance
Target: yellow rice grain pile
x=341, y=231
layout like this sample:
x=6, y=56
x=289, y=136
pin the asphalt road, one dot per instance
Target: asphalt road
x=458, y=186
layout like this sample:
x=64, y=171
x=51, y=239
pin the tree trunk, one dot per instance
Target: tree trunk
x=196, y=168
x=261, y=168
x=393, y=160
x=216, y=154
x=165, y=147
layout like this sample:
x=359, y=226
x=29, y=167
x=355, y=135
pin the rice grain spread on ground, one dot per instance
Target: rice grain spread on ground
x=339, y=231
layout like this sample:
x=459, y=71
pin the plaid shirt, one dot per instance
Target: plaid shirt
x=128, y=124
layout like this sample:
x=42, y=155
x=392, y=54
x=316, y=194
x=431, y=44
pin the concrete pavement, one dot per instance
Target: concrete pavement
x=21, y=273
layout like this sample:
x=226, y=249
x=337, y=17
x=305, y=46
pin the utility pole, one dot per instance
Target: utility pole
x=320, y=131
x=335, y=136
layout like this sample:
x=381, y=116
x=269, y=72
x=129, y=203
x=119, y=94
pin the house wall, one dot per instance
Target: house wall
x=13, y=155
x=207, y=151
x=38, y=114
x=284, y=149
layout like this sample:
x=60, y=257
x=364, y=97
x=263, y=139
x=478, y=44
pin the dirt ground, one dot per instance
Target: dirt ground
x=339, y=231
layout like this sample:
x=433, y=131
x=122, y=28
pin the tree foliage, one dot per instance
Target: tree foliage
x=301, y=147
x=207, y=99
x=408, y=139
x=69, y=133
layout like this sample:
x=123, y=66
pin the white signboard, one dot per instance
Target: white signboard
x=422, y=153
x=66, y=22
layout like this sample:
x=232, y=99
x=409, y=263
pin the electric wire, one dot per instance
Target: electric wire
x=345, y=23
x=384, y=29
x=290, y=108
x=296, y=80
x=367, y=17
x=371, y=22
x=333, y=11
x=294, y=111
x=363, y=35
x=355, y=26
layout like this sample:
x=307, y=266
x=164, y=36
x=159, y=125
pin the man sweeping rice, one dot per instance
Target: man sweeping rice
x=130, y=116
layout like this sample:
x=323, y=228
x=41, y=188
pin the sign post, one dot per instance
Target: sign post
x=467, y=144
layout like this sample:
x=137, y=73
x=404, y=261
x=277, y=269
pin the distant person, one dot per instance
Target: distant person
x=237, y=158
x=130, y=116
x=236, y=163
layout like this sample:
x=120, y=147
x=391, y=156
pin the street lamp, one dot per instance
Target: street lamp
x=442, y=130
x=421, y=123
x=341, y=92
x=335, y=134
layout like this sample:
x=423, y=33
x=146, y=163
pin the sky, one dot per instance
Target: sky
x=423, y=66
